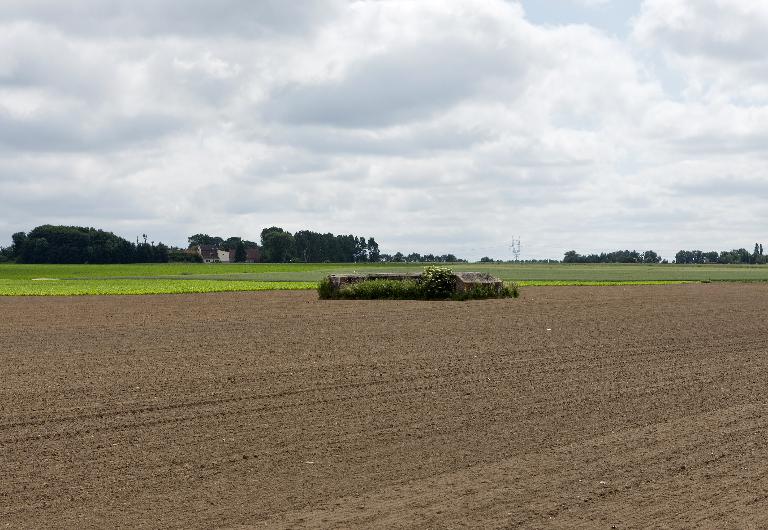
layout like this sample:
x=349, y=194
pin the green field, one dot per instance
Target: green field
x=18, y=279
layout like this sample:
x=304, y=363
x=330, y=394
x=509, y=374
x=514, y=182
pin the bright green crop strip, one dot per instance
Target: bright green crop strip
x=567, y=283
x=106, y=287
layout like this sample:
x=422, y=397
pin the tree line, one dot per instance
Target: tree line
x=305, y=246
x=683, y=257
x=77, y=244
x=725, y=257
x=238, y=244
x=619, y=256
x=280, y=246
x=415, y=257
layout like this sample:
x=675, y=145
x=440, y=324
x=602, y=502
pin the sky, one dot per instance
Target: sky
x=433, y=125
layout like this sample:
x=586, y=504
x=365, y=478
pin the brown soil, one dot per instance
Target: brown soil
x=570, y=407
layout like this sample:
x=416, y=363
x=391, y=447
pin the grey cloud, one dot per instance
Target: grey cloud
x=33, y=57
x=418, y=139
x=725, y=143
x=18, y=170
x=719, y=46
x=74, y=201
x=401, y=87
x=732, y=31
x=744, y=188
x=190, y=18
x=76, y=132
x=294, y=163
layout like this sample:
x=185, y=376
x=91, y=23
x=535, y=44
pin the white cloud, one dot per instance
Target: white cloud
x=717, y=44
x=591, y=3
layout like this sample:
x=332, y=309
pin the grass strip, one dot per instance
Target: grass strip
x=581, y=283
x=138, y=287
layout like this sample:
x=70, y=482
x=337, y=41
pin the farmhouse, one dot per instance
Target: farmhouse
x=252, y=255
x=209, y=253
x=212, y=254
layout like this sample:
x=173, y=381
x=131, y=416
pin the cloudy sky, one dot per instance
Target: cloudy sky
x=433, y=125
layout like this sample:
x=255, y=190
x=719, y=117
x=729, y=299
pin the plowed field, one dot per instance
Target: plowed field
x=569, y=407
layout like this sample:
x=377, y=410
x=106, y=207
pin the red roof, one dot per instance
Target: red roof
x=208, y=252
x=252, y=255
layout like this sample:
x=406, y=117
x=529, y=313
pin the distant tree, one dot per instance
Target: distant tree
x=144, y=253
x=649, y=256
x=204, y=239
x=309, y=246
x=179, y=255
x=240, y=254
x=36, y=251
x=346, y=248
x=161, y=253
x=230, y=243
x=690, y=257
x=486, y=259
x=398, y=257
x=361, y=249
x=19, y=239
x=373, y=251
x=278, y=246
x=571, y=257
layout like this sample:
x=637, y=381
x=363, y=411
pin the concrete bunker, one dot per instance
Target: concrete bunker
x=463, y=282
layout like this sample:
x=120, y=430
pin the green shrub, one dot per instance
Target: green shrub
x=437, y=282
x=180, y=256
x=382, y=290
x=325, y=289
x=483, y=292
